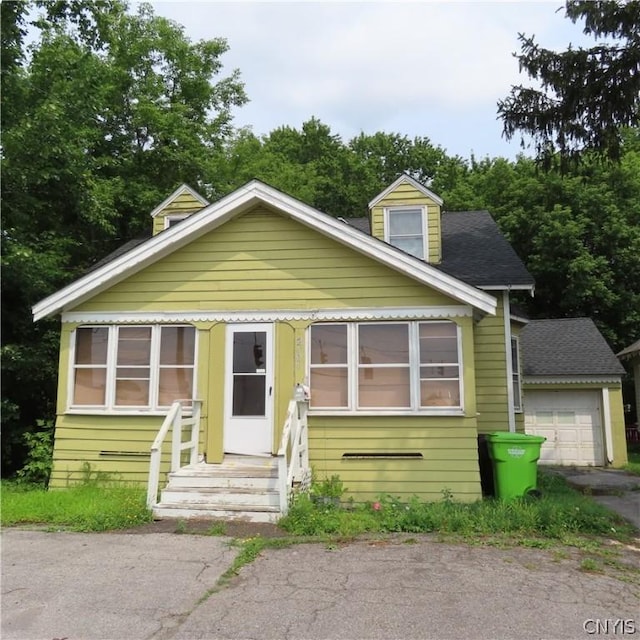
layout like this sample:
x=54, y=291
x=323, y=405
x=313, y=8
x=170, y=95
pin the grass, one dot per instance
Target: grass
x=85, y=507
x=558, y=515
x=633, y=466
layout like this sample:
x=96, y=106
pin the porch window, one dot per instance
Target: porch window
x=516, y=379
x=132, y=367
x=405, y=228
x=392, y=366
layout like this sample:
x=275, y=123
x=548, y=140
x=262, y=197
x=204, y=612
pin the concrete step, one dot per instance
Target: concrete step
x=243, y=512
x=219, y=496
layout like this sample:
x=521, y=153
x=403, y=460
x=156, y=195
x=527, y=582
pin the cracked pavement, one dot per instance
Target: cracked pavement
x=154, y=587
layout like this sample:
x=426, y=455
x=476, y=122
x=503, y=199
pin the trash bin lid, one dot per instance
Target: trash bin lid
x=520, y=438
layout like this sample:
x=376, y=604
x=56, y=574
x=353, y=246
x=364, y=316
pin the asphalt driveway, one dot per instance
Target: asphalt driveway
x=160, y=586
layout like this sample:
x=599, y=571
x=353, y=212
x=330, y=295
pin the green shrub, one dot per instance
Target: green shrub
x=39, y=459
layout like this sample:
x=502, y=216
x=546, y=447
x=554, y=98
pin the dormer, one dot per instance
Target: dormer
x=407, y=215
x=179, y=205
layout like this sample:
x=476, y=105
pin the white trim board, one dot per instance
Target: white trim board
x=319, y=315
x=183, y=188
x=571, y=380
x=405, y=177
x=244, y=198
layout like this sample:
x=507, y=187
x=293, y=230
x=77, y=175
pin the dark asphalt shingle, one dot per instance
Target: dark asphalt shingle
x=566, y=347
x=473, y=250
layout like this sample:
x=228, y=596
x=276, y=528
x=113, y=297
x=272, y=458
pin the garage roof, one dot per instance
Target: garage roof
x=566, y=347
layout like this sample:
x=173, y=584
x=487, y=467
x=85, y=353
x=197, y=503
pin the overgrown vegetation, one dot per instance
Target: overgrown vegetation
x=92, y=505
x=561, y=513
x=633, y=466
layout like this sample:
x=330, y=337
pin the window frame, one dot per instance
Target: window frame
x=353, y=369
x=109, y=407
x=516, y=375
x=178, y=217
x=390, y=211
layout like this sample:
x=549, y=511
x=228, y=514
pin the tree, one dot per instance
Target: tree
x=586, y=97
x=108, y=112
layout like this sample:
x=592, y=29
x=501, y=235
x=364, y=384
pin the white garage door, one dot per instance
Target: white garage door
x=571, y=423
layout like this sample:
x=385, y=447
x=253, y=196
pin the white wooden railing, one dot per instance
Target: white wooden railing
x=177, y=424
x=293, y=454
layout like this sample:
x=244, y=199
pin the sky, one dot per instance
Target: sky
x=428, y=69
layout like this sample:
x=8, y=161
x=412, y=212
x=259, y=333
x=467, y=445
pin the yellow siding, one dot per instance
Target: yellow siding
x=115, y=445
x=407, y=195
x=181, y=204
x=263, y=261
x=491, y=378
x=448, y=446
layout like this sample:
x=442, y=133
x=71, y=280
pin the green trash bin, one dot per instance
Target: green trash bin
x=515, y=457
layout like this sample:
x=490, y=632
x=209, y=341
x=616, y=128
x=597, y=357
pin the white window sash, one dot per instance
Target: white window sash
x=424, y=232
x=353, y=367
x=111, y=367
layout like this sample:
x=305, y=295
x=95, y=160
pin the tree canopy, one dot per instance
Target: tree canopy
x=582, y=98
x=102, y=116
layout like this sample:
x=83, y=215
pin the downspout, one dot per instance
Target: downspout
x=506, y=310
x=606, y=418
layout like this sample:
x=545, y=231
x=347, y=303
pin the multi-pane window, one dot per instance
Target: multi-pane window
x=403, y=366
x=515, y=370
x=119, y=367
x=406, y=230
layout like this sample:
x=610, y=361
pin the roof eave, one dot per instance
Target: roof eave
x=414, y=183
x=226, y=208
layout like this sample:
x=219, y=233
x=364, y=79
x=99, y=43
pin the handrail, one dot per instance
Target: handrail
x=173, y=420
x=293, y=454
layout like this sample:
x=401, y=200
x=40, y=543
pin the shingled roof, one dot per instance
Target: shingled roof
x=566, y=347
x=473, y=250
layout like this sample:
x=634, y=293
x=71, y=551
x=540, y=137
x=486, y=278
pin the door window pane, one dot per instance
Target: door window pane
x=249, y=351
x=249, y=395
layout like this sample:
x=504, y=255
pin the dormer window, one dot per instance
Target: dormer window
x=169, y=221
x=405, y=229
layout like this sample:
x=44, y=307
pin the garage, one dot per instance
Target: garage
x=572, y=393
x=572, y=424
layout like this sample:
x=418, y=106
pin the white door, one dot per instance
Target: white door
x=571, y=423
x=248, y=426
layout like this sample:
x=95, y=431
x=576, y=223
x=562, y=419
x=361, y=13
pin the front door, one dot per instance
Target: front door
x=248, y=425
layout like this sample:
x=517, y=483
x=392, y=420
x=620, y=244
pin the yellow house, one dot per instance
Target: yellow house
x=374, y=348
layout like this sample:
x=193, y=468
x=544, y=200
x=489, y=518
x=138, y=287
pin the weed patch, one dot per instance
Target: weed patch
x=82, y=507
x=560, y=513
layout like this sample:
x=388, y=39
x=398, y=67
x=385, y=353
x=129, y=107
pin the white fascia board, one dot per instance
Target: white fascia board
x=508, y=287
x=184, y=188
x=586, y=379
x=147, y=253
x=414, y=183
x=237, y=202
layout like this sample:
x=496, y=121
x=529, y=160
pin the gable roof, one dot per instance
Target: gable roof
x=237, y=202
x=181, y=190
x=405, y=177
x=566, y=347
x=474, y=251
